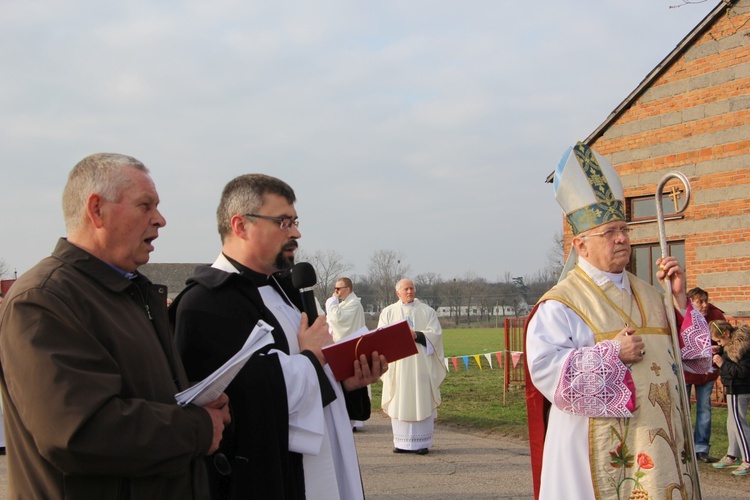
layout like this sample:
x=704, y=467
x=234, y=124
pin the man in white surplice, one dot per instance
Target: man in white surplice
x=411, y=387
x=344, y=311
x=345, y=316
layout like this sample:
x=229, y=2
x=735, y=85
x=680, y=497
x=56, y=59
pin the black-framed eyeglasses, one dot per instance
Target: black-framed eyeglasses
x=337, y=288
x=284, y=222
x=611, y=234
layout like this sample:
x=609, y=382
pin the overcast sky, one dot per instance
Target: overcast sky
x=422, y=127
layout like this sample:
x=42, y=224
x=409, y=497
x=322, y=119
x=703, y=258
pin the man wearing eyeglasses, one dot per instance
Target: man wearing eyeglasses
x=603, y=407
x=345, y=316
x=344, y=310
x=291, y=437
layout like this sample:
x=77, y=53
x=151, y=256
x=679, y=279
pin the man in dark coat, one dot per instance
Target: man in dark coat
x=89, y=371
x=291, y=436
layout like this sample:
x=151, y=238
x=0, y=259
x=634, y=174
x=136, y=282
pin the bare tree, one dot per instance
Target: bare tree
x=385, y=270
x=329, y=266
x=428, y=285
x=469, y=285
x=3, y=267
x=363, y=289
x=482, y=298
x=556, y=255
x=453, y=293
x=538, y=284
x=510, y=293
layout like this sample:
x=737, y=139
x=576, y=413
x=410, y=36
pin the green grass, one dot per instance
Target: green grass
x=719, y=440
x=466, y=341
x=473, y=400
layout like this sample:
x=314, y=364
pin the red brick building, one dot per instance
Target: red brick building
x=692, y=114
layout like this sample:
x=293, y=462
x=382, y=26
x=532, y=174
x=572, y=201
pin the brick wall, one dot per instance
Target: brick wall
x=695, y=118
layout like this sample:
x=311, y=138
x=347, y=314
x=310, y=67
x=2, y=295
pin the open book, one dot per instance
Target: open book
x=212, y=386
x=393, y=341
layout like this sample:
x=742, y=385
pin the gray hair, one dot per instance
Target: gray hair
x=398, y=283
x=101, y=174
x=244, y=195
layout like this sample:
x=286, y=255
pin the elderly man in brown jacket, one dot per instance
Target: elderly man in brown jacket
x=89, y=371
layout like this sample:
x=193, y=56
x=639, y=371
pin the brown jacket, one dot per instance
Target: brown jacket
x=88, y=384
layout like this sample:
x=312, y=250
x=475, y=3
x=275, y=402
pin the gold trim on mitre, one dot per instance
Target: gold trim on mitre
x=591, y=194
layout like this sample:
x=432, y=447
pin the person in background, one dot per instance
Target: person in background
x=703, y=383
x=291, y=437
x=344, y=311
x=411, y=388
x=603, y=402
x=734, y=363
x=345, y=316
x=89, y=368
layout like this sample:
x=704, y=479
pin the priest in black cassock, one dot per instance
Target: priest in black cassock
x=290, y=436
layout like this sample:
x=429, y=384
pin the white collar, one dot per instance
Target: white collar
x=620, y=280
x=222, y=264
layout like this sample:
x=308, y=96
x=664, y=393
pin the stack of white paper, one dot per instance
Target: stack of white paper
x=212, y=386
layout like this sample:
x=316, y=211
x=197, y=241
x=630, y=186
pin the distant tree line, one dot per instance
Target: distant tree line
x=468, y=299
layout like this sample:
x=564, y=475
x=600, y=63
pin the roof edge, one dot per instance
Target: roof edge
x=663, y=65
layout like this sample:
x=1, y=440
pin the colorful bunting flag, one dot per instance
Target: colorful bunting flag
x=476, y=358
x=516, y=357
x=499, y=356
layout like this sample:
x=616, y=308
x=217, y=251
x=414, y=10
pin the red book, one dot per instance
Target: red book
x=393, y=341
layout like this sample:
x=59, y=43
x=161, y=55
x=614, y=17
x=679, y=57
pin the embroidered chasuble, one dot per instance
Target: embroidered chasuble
x=640, y=456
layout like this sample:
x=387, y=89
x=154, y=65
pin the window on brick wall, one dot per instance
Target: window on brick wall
x=644, y=257
x=643, y=208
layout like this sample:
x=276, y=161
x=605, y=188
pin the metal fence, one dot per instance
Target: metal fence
x=514, y=344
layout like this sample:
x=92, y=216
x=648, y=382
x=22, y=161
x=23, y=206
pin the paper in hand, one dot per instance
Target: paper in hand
x=210, y=388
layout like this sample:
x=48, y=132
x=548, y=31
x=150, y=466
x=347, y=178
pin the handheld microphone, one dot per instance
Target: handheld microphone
x=304, y=279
